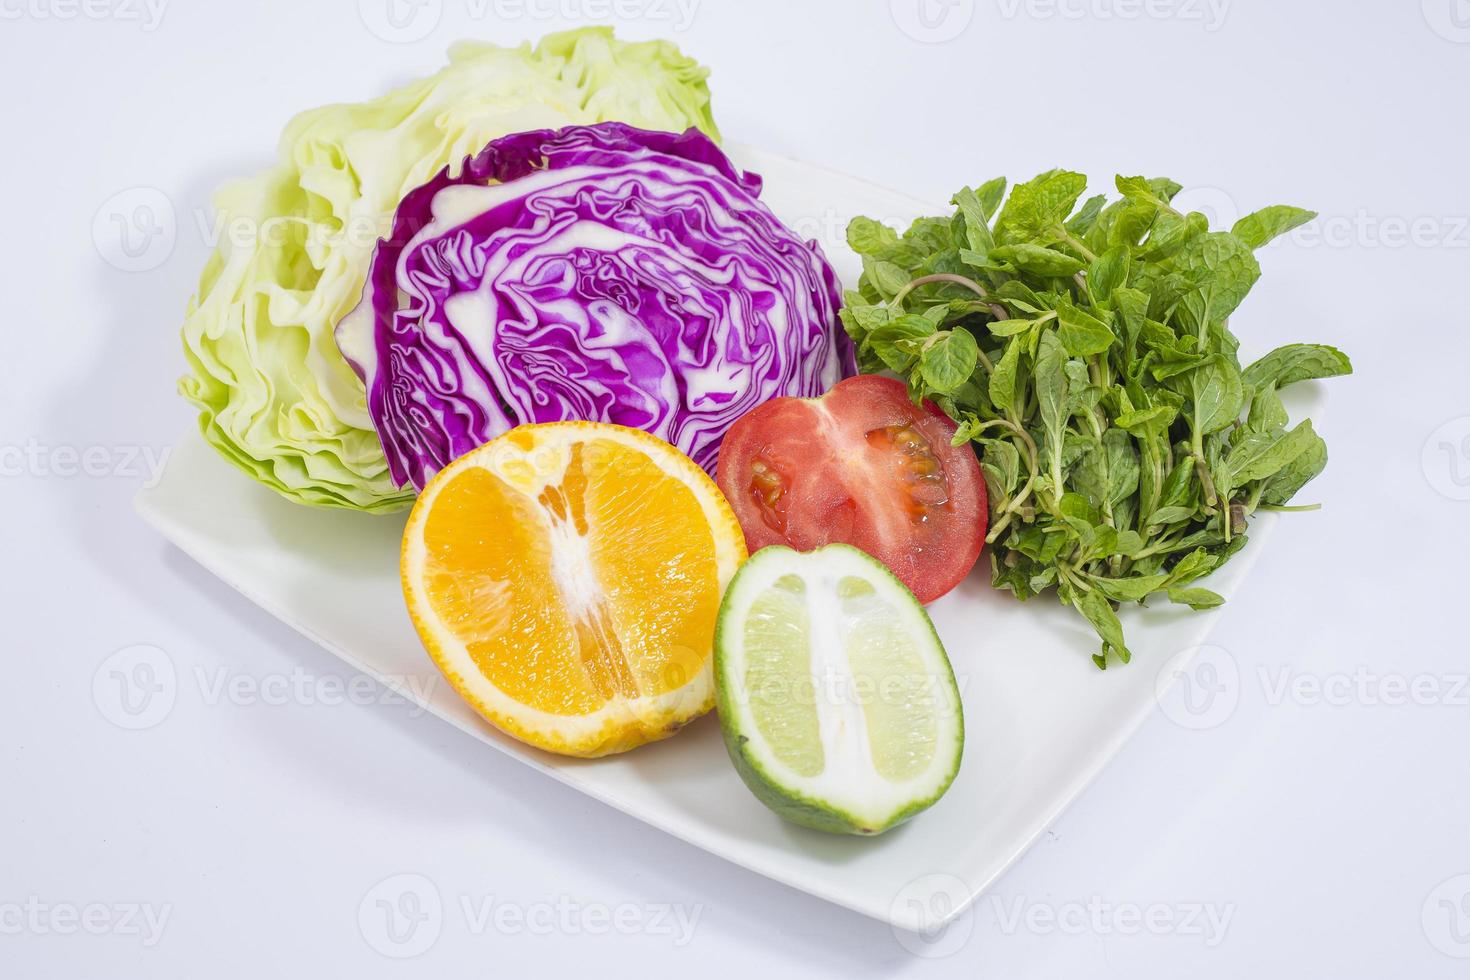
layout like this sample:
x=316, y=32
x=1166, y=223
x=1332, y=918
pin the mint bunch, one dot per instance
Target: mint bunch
x=1087, y=353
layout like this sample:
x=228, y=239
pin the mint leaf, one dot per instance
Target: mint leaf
x=1003, y=378
x=1109, y=272
x=868, y=237
x=977, y=229
x=1170, y=234
x=1196, y=598
x=1232, y=271
x=1170, y=515
x=1000, y=464
x=1283, y=485
x=1009, y=328
x=1082, y=223
x=1139, y=191
x=949, y=362
x=990, y=194
x=1081, y=333
x=1051, y=393
x=1122, y=461
x=1298, y=362
x=1262, y=454
x=1218, y=394
x=1037, y=260
x=1129, y=589
x=893, y=341
x=1260, y=227
x=866, y=318
x=1095, y=606
x=1267, y=413
x=1039, y=204
x=1197, y=563
x=1156, y=418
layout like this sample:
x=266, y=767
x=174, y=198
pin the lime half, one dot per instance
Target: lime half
x=837, y=701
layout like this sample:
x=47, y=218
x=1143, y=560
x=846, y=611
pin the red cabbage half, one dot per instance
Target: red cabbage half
x=596, y=272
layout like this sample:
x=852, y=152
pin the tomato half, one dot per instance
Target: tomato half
x=863, y=465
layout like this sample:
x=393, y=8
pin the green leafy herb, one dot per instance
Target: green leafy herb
x=1298, y=362
x=1259, y=228
x=949, y=361
x=1086, y=352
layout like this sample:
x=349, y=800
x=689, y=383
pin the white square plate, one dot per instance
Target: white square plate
x=1040, y=719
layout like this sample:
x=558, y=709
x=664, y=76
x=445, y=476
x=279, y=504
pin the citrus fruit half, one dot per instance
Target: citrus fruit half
x=566, y=578
x=838, y=704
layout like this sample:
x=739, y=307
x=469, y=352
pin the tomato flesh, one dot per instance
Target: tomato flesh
x=862, y=465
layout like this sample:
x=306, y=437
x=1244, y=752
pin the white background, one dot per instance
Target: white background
x=1329, y=828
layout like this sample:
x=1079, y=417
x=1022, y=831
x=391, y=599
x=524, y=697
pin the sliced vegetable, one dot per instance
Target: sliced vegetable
x=275, y=397
x=862, y=465
x=837, y=702
x=600, y=272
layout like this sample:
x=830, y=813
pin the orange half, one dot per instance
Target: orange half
x=566, y=578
